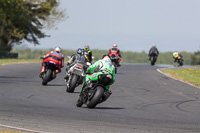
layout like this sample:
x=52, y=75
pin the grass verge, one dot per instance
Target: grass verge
x=189, y=75
x=13, y=61
x=6, y=131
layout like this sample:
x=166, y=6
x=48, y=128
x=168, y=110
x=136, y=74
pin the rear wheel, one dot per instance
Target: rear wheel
x=72, y=84
x=96, y=98
x=47, y=77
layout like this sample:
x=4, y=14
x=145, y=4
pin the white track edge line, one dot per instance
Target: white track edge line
x=177, y=79
x=23, y=129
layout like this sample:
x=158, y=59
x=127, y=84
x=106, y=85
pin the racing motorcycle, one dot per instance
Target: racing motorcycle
x=153, y=58
x=76, y=74
x=49, y=72
x=114, y=60
x=180, y=61
x=94, y=93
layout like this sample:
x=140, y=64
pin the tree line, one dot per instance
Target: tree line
x=25, y=19
x=127, y=56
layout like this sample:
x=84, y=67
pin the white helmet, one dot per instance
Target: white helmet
x=57, y=49
x=114, y=45
x=175, y=54
x=154, y=45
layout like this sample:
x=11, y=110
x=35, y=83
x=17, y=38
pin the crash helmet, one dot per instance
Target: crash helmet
x=79, y=51
x=114, y=45
x=86, y=48
x=57, y=49
x=175, y=54
x=153, y=45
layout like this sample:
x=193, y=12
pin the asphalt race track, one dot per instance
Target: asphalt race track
x=143, y=101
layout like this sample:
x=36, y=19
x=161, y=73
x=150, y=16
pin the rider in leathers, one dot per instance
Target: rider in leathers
x=177, y=56
x=153, y=51
x=103, y=66
x=79, y=56
x=115, y=51
x=88, y=53
x=54, y=56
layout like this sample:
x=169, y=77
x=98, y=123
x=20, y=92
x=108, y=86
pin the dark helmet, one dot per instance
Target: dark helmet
x=79, y=51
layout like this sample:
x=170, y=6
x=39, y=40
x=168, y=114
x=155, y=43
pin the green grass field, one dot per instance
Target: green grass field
x=13, y=61
x=188, y=75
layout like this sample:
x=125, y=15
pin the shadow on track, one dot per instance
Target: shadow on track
x=113, y=108
x=55, y=85
x=11, y=77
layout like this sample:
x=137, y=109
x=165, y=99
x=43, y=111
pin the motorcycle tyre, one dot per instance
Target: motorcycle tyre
x=152, y=61
x=115, y=65
x=115, y=68
x=96, y=98
x=47, y=77
x=72, y=84
x=79, y=103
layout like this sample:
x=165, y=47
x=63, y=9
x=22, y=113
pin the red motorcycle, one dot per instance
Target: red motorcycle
x=50, y=67
x=115, y=60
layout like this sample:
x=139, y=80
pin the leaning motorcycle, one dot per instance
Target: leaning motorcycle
x=94, y=93
x=180, y=61
x=76, y=75
x=49, y=72
x=114, y=60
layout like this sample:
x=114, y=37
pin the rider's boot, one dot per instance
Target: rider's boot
x=42, y=71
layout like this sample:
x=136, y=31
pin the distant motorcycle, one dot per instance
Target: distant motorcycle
x=180, y=61
x=153, y=58
x=95, y=92
x=49, y=72
x=114, y=60
x=76, y=74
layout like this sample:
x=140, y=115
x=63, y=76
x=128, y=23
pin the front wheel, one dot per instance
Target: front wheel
x=153, y=61
x=72, y=83
x=79, y=103
x=47, y=77
x=96, y=98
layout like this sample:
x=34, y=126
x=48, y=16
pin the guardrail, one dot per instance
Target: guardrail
x=5, y=55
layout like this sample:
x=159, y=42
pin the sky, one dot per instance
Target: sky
x=134, y=25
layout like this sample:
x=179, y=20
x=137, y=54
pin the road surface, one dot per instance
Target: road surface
x=143, y=101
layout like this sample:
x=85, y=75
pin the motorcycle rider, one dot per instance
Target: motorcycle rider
x=79, y=54
x=176, y=56
x=114, y=50
x=153, y=51
x=54, y=56
x=88, y=53
x=103, y=66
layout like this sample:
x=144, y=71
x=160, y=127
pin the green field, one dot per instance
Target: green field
x=13, y=61
x=188, y=75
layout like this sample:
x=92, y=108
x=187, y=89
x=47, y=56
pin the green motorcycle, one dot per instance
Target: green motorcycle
x=95, y=92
